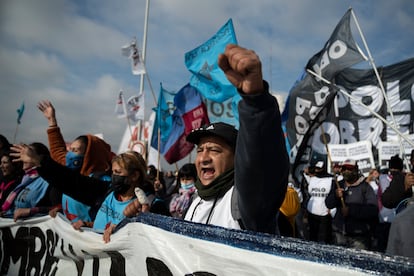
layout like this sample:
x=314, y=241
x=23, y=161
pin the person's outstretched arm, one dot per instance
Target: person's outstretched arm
x=82, y=188
x=57, y=143
x=261, y=160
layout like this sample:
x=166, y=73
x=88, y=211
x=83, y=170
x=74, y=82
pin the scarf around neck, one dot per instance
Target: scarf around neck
x=218, y=187
x=29, y=177
x=181, y=202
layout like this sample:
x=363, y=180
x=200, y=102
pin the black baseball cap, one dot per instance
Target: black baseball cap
x=225, y=131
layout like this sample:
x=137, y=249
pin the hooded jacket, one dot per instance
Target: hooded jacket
x=96, y=161
x=97, y=157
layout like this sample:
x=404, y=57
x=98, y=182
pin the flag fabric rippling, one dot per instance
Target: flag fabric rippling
x=310, y=98
x=163, y=120
x=339, y=52
x=132, y=52
x=189, y=112
x=207, y=77
x=20, y=112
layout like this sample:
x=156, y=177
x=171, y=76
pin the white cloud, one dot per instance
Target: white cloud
x=34, y=67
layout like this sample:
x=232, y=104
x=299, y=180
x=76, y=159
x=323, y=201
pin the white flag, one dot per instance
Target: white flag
x=135, y=107
x=138, y=67
x=152, y=155
x=120, y=108
x=131, y=51
x=126, y=50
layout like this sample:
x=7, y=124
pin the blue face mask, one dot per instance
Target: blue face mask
x=74, y=161
x=187, y=186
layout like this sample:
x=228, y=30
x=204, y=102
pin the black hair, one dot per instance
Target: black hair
x=6, y=144
x=18, y=166
x=188, y=169
x=40, y=148
x=396, y=163
x=83, y=139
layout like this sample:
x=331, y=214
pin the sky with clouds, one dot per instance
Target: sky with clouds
x=69, y=52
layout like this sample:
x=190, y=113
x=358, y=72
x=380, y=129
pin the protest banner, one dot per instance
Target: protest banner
x=156, y=245
x=359, y=151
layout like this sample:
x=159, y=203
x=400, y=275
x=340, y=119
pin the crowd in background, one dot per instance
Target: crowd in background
x=346, y=208
x=343, y=208
x=239, y=180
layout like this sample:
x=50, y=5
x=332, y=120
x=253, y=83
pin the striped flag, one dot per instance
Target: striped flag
x=190, y=113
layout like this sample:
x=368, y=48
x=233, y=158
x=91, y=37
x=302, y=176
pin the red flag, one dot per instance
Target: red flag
x=191, y=107
x=190, y=113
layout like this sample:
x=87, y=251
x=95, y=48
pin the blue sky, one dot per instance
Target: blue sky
x=70, y=51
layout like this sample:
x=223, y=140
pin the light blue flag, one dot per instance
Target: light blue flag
x=20, y=112
x=207, y=76
x=163, y=120
x=226, y=112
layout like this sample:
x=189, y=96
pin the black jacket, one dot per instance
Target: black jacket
x=362, y=205
x=261, y=162
x=395, y=192
x=88, y=190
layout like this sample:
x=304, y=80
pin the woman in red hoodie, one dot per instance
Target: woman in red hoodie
x=87, y=154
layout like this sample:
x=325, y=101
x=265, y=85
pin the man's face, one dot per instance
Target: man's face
x=350, y=173
x=214, y=157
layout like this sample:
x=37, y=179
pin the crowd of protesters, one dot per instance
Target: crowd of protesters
x=345, y=208
x=239, y=179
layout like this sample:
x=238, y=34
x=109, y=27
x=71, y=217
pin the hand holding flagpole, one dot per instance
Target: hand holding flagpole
x=330, y=161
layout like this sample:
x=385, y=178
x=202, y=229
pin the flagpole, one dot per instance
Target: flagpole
x=371, y=60
x=364, y=105
x=150, y=84
x=126, y=115
x=328, y=153
x=130, y=131
x=374, y=67
x=144, y=45
x=144, y=50
x=159, y=153
x=15, y=133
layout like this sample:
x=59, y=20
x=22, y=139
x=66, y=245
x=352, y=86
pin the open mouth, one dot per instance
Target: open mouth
x=207, y=172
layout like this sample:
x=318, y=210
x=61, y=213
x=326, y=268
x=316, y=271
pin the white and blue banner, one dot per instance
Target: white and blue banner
x=388, y=149
x=156, y=245
x=359, y=151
